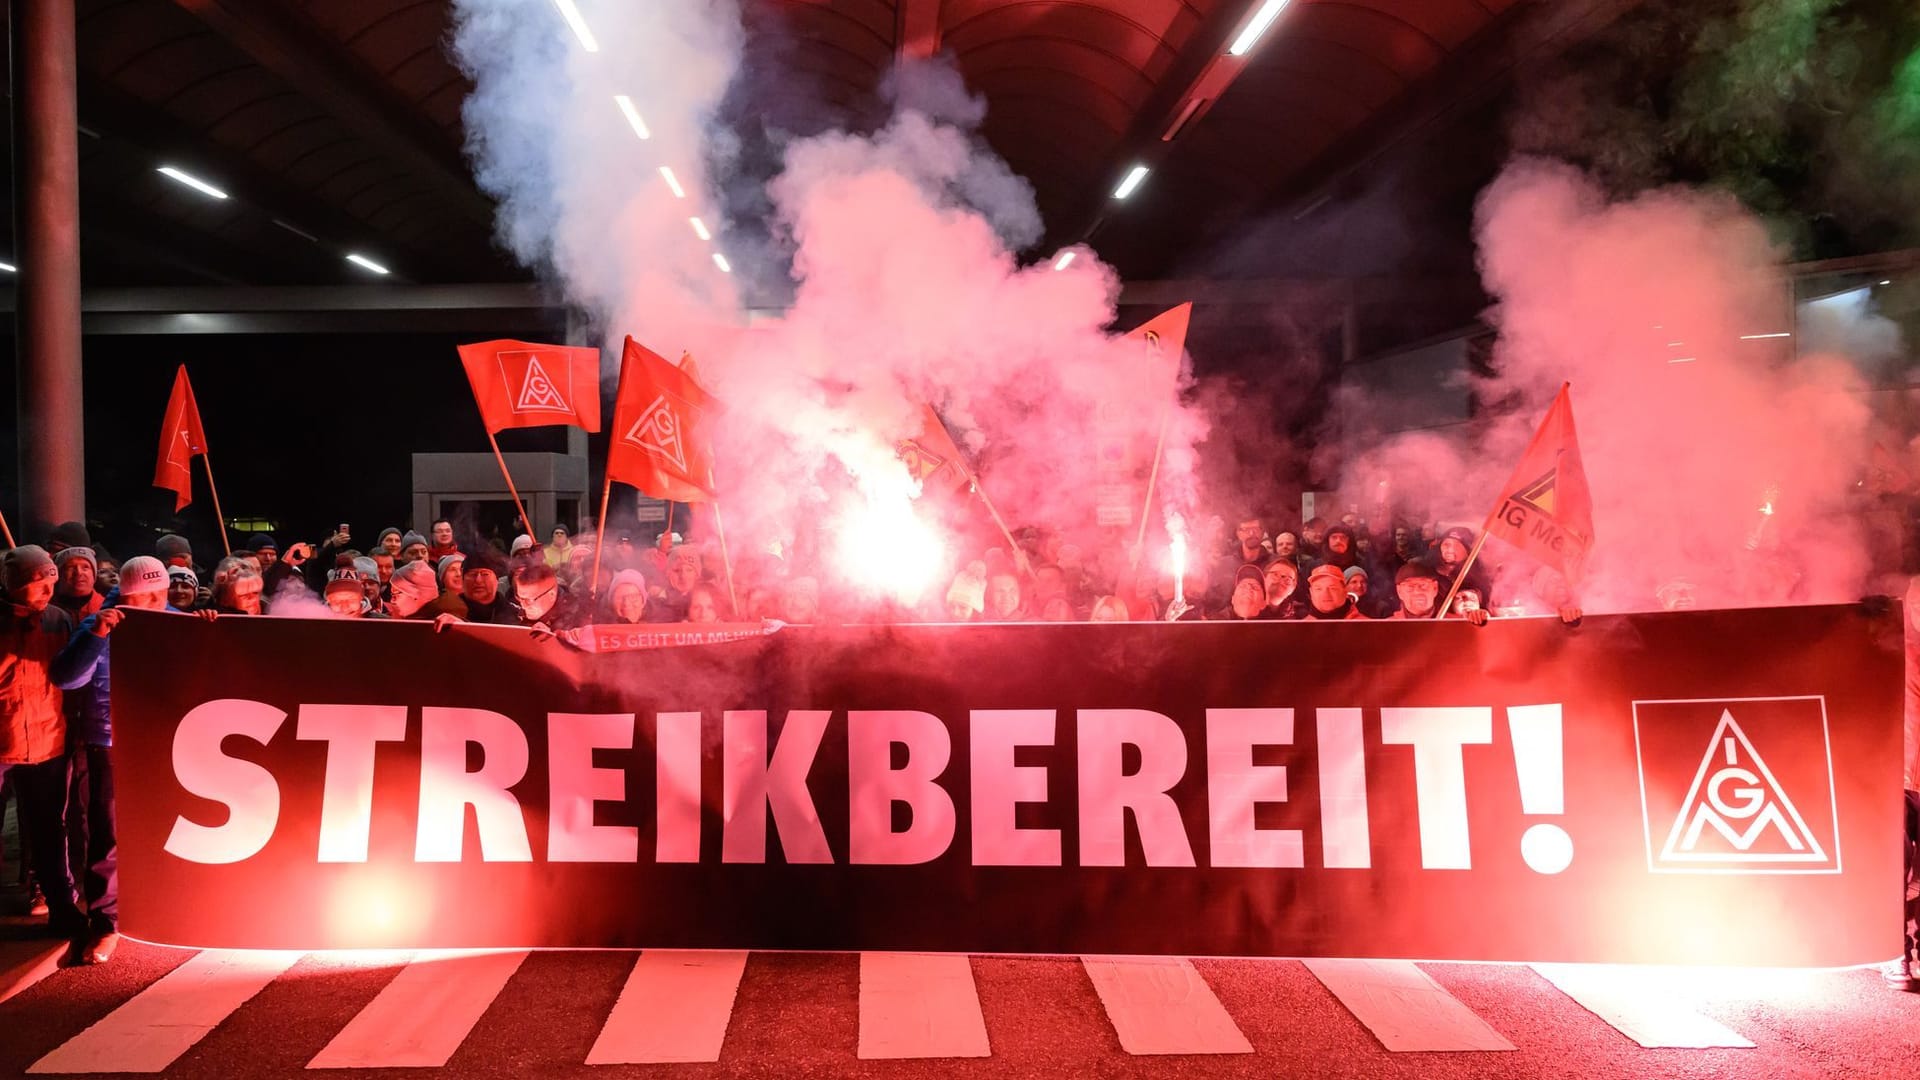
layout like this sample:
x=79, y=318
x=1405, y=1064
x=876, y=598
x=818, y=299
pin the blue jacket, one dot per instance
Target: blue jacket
x=82, y=671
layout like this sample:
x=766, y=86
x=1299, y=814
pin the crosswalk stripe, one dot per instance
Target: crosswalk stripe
x=1161, y=1005
x=165, y=1020
x=1633, y=1003
x=420, y=1018
x=1403, y=1007
x=23, y=963
x=918, y=1005
x=674, y=1008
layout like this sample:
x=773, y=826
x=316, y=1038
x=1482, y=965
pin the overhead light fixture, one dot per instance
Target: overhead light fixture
x=1886, y=283
x=700, y=229
x=1065, y=260
x=297, y=231
x=720, y=261
x=1763, y=337
x=193, y=182
x=673, y=182
x=1132, y=181
x=9, y=267
x=579, y=25
x=1256, y=26
x=363, y=261
x=633, y=115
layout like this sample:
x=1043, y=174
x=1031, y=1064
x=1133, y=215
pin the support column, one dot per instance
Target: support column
x=46, y=184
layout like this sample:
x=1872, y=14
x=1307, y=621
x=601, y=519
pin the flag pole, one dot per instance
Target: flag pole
x=4, y=531
x=973, y=481
x=600, y=537
x=206, y=460
x=511, y=490
x=726, y=560
x=669, y=524
x=1146, y=507
x=1460, y=577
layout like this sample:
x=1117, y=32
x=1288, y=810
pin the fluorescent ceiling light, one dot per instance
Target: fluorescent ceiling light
x=1256, y=26
x=1065, y=260
x=673, y=183
x=1886, y=283
x=633, y=115
x=720, y=261
x=9, y=267
x=579, y=25
x=700, y=229
x=1132, y=181
x=1762, y=337
x=193, y=182
x=363, y=261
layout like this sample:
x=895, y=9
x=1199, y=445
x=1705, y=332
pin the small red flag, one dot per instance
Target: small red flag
x=1546, y=508
x=520, y=384
x=932, y=457
x=659, y=429
x=181, y=437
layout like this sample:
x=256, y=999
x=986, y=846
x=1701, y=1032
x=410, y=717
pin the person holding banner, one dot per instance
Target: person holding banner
x=82, y=670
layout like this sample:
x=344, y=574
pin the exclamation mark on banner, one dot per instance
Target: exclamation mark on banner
x=1536, y=759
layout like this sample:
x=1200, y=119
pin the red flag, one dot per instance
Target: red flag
x=1546, y=509
x=519, y=384
x=181, y=437
x=659, y=418
x=932, y=457
x=1166, y=332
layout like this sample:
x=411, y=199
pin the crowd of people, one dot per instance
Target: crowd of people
x=69, y=594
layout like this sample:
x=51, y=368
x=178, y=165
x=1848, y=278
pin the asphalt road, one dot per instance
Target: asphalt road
x=799, y=1015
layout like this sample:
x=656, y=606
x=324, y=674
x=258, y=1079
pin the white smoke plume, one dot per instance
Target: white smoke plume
x=902, y=249
x=1721, y=464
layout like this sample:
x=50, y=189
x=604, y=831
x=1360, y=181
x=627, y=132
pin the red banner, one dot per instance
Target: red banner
x=181, y=437
x=1692, y=787
x=520, y=384
x=659, y=440
x=1546, y=509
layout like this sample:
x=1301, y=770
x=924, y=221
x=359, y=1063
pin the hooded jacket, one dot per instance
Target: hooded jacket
x=33, y=726
x=82, y=669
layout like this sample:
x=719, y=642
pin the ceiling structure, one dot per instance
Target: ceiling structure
x=334, y=125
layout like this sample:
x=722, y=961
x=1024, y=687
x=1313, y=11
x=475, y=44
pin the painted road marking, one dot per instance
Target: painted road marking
x=1634, y=1004
x=162, y=1022
x=674, y=1008
x=1161, y=1005
x=919, y=1005
x=1403, y=1007
x=420, y=1018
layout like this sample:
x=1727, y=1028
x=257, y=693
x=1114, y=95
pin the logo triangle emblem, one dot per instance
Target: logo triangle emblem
x=538, y=393
x=1736, y=811
x=658, y=432
x=921, y=463
x=1539, y=493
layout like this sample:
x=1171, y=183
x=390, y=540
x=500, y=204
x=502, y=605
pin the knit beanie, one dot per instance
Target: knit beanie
x=71, y=534
x=446, y=563
x=366, y=567
x=25, y=565
x=146, y=574
x=174, y=573
x=343, y=580
x=381, y=539
x=415, y=581
x=171, y=546
x=522, y=543
x=412, y=538
x=262, y=542
x=68, y=554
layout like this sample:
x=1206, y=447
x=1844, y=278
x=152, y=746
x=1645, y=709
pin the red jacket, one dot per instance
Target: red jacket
x=32, y=726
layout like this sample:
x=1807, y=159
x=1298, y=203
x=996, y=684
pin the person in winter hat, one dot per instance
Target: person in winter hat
x=77, y=593
x=266, y=551
x=68, y=534
x=83, y=671
x=33, y=725
x=414, y=589
x=174, y=550
x=391, y=539
x=1327, y=595
x=183, y=588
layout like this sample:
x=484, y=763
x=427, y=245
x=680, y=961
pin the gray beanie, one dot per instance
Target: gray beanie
x=70, y=553
x=25, y=565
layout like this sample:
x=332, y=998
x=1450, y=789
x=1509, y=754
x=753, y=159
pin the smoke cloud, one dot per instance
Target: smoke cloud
x=895, y=254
